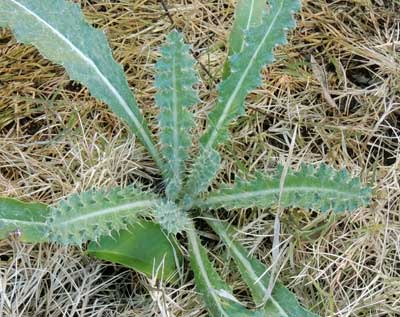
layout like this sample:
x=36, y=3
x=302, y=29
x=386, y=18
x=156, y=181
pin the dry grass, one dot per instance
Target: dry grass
x=345, y=107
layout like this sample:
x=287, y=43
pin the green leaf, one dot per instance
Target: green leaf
x=171, y=217
x=57, y=28
x=216, y=294
x=203, y=171
x=281, y=302
x=320, y=188
x=143, y=247
x=27, y=218
x=246, y=67
x=245, y=72
x=89, y=215
x=175, y=78
x=248, y=14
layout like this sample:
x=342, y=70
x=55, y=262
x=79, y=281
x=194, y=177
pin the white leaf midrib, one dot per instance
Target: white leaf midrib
x=22, y=222
x=225, y=198
x=104, y=79
x=203, y=271
x=221, y=120
x=247, y=264
x=252, y=5
x=176, y=163
x=110, y=210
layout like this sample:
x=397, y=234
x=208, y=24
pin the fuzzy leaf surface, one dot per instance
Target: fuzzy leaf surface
x=322, y=188
x=89, y=215
x=27, y=218
x=246, y=67
x=57, y=28
x=171, y=217
x=245, y=71
x=175, y=78
x=281, y=303
x=248, y=14
x=143, y=247
x=215, y=292
x=203, y=171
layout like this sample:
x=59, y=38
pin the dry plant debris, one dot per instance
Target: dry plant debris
x=338, y=87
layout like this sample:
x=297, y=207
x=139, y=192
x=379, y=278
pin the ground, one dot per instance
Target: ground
x=334, y=89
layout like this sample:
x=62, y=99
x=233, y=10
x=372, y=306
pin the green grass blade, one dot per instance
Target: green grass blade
x=281, y=303
x=89, y=215
x=245, y=74
x=57, y=28
x=175, y=78
x=215, y=292
x=320, y=188
x=143, y=247
x=248, y=14
x=29, y=219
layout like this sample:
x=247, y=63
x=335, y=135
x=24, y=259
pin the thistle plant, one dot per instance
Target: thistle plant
x=97, y=215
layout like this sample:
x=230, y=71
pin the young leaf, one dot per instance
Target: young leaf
x=203, y=171
x=27, y=219
x=171, y=217
x=143, y=247
x=248, y=14
x=216, y=294
x=89, y=215
x=175, y=78
x=320, y=188
x=245, y=71
x=281, y=302
x=58, y=30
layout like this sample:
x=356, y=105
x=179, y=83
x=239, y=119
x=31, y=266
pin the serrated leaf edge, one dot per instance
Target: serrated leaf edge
x=111, y=210
x=145, y=137
x=228, y=105
x=227, y=197
x=175, y=167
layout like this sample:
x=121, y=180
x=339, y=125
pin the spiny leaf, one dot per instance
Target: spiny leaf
x=26, y=219
x=311, y=188
x=58, y=30
x=143, y=247
x=245, y=71
x=246, y=67
x=281, y=302
x=248, y=13
x=216, y=294
x=87, y=216
x=171, y=217
x=175, y=78
x=203, y=171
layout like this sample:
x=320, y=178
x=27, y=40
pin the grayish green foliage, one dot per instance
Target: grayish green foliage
x=245, y=75
x=320, y=188
x=58, y=30
x=27, y=219
x=171, y=217
x=216, y=293
x=203, y=171
x=175, y=78
x=248, y=14
x=88, y=215
x=281, y=302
